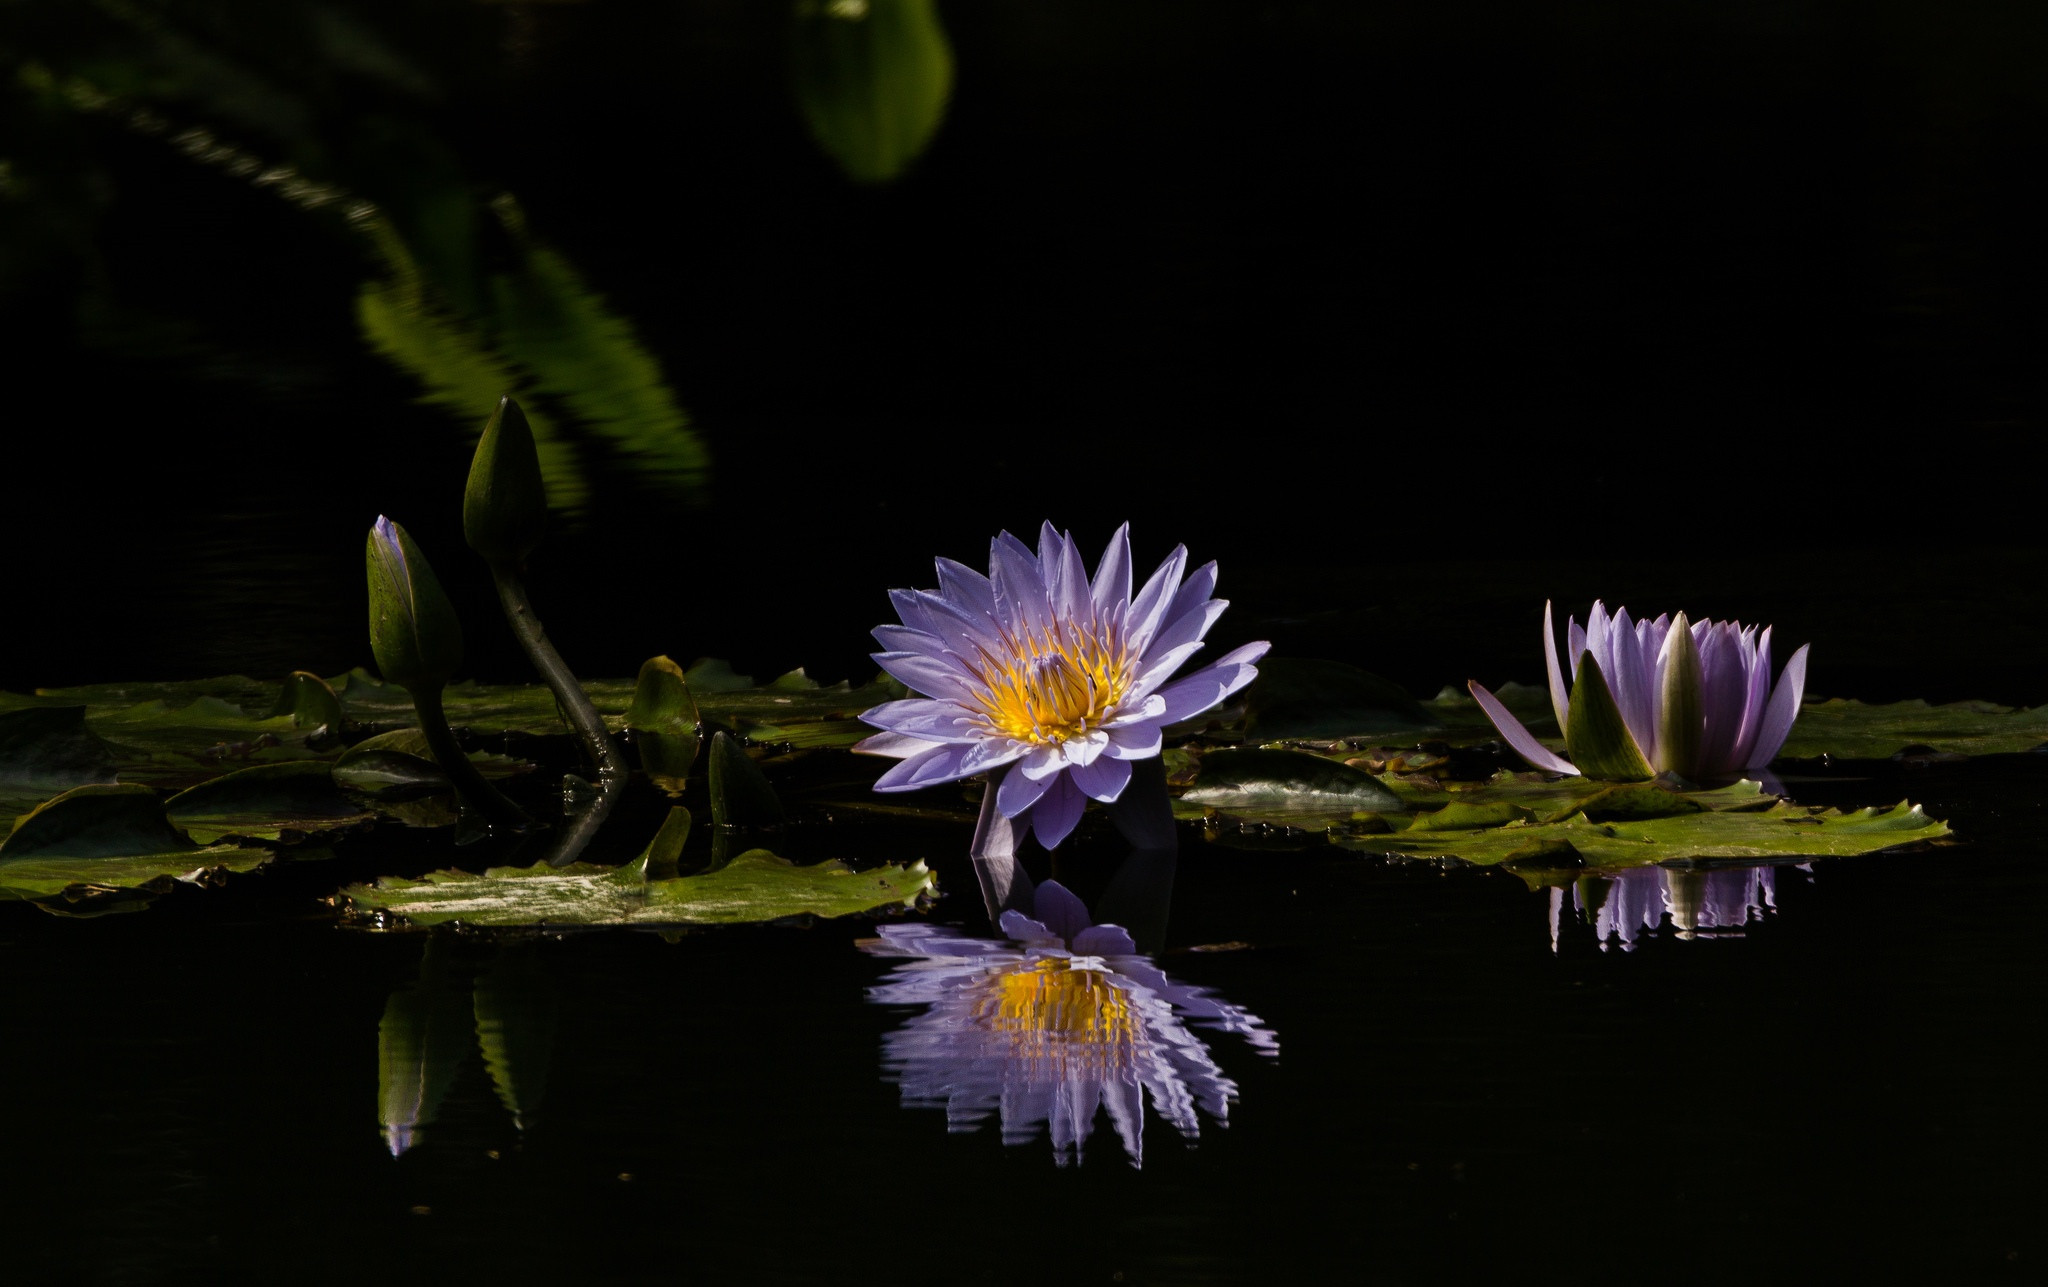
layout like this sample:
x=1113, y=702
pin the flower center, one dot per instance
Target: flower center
x=1050, y=1009
x=1053, y=686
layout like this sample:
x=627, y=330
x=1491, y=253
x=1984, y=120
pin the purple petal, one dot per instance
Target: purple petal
x=1103, y=778
x=1559, y=702
x=1633, y=695
x=1067, y=583
x=928, y=675
x=909, y=610
x=1103, y=940
x=1186, y=698
x=1019, y=791
x=1149, y=606
x=930, y=720
x=1759, y=691
x=913, y=639
x=1113, y=575
x=1059, y=911
x=1019, y=585
x=1782, y=711
x=1135, y=741
x=942, y=763
x=1023, y=929
x=1515, y=735
x=1057, y=813
x=966, y=587
x=1723, y=699
x=1187, y=628
x=895, y=745
x=1159, y=667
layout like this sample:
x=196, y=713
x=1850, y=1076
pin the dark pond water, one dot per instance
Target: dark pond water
x=1412, y=317
x=1839, y=1079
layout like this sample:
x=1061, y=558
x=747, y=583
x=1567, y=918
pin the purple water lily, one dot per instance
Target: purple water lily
x=1040, y=671
x=1052, y=1029
x=1692, y=698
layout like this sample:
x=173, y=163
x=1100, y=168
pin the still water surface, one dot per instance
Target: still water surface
x=1431, y=1079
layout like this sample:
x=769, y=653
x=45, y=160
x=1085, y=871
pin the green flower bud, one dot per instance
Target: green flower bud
x=505, y=504
x=414, y=632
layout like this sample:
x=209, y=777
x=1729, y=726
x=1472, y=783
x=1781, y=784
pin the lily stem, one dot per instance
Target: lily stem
x=478, y=794
x=569, y=696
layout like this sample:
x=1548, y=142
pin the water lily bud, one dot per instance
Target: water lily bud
x=414, y=632
x=1666, y=696
x=505, y=505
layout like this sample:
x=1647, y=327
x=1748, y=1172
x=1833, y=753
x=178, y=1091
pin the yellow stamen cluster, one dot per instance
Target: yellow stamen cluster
x=1049, y=1009
x=1055, y=685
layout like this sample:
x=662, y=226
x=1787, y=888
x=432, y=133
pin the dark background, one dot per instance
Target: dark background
x=1412, y=315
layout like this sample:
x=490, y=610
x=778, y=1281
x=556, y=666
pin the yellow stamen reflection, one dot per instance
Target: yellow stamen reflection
x=1055, y=685
x=1053, y=1009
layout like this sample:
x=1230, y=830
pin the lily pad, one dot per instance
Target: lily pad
x=755, y=886
x=265, y=802
x=50, y=747
x=1782, y=831
x=400, y=762
x=104, y=839
x=1289, y=786
x=1853, y=730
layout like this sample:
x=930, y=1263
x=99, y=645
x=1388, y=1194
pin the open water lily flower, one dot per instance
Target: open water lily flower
x=1051, y=680
x=1045, y=1034
x=1663, y=696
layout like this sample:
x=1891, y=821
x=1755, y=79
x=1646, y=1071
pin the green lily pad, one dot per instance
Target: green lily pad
x=265, y=802
x=755, y=886
x=49, y=747
x=1292, y=787
x=400, y=762
x=1784, y=830
x=105, y=839
x=1853, y=730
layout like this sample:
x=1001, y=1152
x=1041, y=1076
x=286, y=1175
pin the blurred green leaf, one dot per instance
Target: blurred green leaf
x=872, y=78
x=1304, y=698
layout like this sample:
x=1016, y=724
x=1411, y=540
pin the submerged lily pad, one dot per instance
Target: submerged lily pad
x=755, y=886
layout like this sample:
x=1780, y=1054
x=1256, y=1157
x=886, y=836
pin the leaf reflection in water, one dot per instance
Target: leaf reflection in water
x=1045, y=1036
x=1624, y=906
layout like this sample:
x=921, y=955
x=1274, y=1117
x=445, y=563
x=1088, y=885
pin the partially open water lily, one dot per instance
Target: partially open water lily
x=1663, y=696
x=1053, y=1029
x=1055, y=679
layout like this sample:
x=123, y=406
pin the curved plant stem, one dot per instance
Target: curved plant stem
x=569, y=695
x=478, y=794
x=569, y=843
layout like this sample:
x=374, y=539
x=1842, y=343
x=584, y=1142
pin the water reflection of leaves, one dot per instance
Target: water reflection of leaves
x=1044, y=1035
x=432, y=1024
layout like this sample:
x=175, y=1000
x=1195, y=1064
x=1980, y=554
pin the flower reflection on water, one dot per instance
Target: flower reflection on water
x=1625, y=906
x=1041, y=1034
